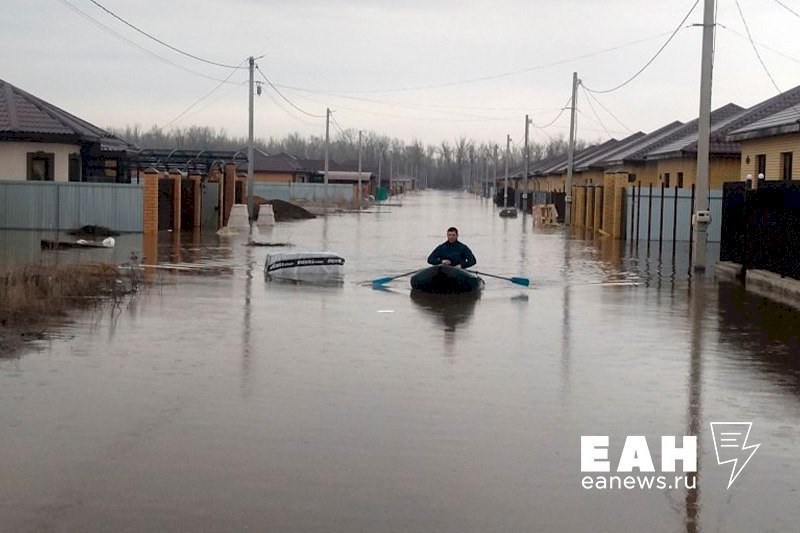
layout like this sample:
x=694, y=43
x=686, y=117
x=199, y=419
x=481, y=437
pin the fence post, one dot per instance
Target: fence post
x=661, y=220
x=674, y=222
x=691, y=230
x=649, y=215
x=638, y=210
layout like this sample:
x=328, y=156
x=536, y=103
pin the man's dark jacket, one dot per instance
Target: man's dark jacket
x=457, y=252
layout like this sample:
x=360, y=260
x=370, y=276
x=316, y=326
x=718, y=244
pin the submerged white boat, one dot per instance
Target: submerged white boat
x=305, y=266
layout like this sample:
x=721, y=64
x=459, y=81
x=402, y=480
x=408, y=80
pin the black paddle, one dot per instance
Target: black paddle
x=514, y=279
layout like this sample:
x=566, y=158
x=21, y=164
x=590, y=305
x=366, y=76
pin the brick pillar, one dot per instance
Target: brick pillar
x=589, y=216
x=598, y=207
x=608, y=203
x=150, y=203
x=616, y=217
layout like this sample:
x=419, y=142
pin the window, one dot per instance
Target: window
x=40, y=166
x=761, y=165
x=680, y=180
x=786, y=165
x=666, y=179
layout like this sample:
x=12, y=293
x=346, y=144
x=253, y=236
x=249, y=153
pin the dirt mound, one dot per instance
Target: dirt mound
x=283, y=210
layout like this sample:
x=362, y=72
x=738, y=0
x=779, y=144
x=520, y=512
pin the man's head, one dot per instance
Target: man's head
x=452, y=234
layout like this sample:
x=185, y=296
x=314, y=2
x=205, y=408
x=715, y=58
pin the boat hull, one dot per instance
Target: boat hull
x=445, y=279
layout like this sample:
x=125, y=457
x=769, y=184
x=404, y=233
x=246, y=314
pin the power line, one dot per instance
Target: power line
x=789, y=9
x=762, y=45
x=99, y=24
x=595, y=113
x=758, y=55
x=284, y=97
x=636, y=75
x=563, y=108
x=492, y=76
x=335, y=123
x=391, y=104
x=212, y=91
x=159, y=41
x=755, y=49
x=598, y=102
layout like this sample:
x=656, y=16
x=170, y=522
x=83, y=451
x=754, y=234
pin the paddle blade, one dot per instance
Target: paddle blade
x=381, y=281
x=520, y=281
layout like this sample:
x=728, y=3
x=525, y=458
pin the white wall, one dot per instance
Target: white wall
x=14, y=158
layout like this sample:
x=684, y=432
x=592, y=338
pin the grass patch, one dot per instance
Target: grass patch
x=32, y=295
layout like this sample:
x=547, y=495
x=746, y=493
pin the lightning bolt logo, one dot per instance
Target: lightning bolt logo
x=730, y=445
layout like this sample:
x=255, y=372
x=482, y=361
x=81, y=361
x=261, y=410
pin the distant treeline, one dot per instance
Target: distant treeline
x=449, y=164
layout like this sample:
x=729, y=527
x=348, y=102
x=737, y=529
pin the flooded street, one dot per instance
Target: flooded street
x=220, y=401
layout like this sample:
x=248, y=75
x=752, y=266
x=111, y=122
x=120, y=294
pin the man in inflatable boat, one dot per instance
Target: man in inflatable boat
x=452, y=252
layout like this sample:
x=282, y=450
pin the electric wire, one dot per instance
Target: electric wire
x=650, y=61
x=159, y=41
x=212, y=91
x=598, y=102
x=492, y=76
x=124, y=39
x=284, y=97
x=789, y=9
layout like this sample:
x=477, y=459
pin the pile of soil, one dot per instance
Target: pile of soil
x=94, y=231
x=284, y=211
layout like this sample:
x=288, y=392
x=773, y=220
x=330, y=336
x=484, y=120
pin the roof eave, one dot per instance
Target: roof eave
x=764, y=132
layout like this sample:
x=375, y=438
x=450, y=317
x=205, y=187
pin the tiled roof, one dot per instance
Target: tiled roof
x=637, y=150
x=24, y=116
x=686, y=141
x=786, y=121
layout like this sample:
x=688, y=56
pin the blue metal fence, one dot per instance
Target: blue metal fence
x=66, y=205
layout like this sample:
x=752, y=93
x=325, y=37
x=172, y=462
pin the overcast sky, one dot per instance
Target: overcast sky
x=405, y=68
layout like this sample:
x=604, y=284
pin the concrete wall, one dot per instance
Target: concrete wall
x=14, y=158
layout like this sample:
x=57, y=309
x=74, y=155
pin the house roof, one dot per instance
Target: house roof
x=729, y=119
x=786, y=121
x=686, y=138
x=26, y=117
x=635, y=152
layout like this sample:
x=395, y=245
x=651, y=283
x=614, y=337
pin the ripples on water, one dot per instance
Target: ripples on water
x=225, y=401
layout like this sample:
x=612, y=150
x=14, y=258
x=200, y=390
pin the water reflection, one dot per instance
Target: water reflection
x=762, y=332
x=453, y=310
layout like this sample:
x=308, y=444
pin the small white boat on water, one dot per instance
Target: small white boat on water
x=305, y=266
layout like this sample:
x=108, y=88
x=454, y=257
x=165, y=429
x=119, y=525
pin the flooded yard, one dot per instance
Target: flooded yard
x=217, y=400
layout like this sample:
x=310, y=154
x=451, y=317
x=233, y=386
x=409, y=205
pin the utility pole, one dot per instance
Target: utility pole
x=527, y=161
x=358, y=196
x=250, y=178
x=571, y=151
x=327, y=141
x=701, y=217
x=391, y=165
x=505, y=188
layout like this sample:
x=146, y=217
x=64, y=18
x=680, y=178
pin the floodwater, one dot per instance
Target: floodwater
x=218, y=401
